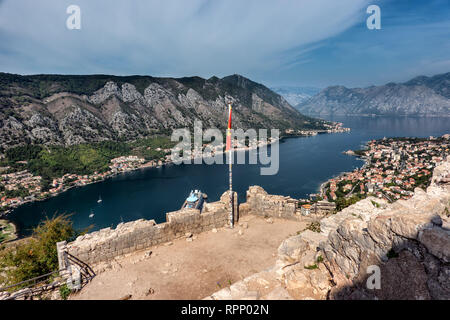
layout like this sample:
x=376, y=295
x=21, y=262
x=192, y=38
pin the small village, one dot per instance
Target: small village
x=394, y=167
x=332, y=127
x=26, y=187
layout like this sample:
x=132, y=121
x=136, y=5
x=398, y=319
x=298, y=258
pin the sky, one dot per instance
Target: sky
x=276, y=42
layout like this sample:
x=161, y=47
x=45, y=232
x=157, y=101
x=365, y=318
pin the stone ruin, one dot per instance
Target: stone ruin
x=106, y=244
x=408, y=241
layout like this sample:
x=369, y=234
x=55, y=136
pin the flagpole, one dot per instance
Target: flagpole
x=230, y=166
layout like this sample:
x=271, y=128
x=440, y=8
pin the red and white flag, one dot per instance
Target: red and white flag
x=228, y=147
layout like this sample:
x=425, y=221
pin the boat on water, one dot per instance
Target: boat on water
x=99, y=200
x=91, y=215
x=195, y=200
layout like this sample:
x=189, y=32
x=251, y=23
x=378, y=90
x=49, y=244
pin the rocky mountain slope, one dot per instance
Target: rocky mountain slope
x=296, y=95
x=66, y=110
x=421, y=96
x=409, y=240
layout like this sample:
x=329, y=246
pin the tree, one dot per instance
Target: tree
x=19, y=192
x=45, y=183
x=38, y=255
x=342, y=202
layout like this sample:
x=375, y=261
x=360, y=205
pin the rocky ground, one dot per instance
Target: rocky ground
x=195, y=266
x=408, y=240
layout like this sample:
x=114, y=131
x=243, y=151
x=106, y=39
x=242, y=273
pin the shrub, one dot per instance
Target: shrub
x=64, y=291
x=392, y=254
x=311, y=267
x=38, y=255
x=342, y=202
x=375, y=204
x=447, y=212
x=314, y=226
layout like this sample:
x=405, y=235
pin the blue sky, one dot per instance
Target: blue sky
x=297, y=42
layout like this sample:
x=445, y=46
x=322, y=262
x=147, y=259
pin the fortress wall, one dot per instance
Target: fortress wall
x=260, y=203
x=127, y=237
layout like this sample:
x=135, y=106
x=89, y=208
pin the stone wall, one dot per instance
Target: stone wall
x=136, y=235
x=323, y=208
x=260, y=203
x=127, y=237
x=409, y=241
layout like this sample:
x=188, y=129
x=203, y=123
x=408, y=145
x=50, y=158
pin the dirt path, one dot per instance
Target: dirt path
x=192, y=269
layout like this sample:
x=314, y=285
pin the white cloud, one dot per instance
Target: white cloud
x=185, y=37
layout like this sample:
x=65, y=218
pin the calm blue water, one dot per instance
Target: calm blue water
x=149, y=193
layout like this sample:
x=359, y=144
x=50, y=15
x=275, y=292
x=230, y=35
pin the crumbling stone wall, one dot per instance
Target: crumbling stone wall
x=409, y=241
x=260, y=203
x=127, y=237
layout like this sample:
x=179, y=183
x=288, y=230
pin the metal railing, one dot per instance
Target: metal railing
x=35, y=286
x=86, y=271
x=30, y=282
x=32, y=287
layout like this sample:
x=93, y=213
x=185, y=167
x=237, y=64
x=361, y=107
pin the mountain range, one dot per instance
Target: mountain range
x=421, y=96
x=295, y=95
x=73, y=109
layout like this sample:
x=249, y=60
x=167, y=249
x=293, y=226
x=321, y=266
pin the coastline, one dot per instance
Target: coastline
x=392, y=169
x=343, y=173
x=145, y=166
